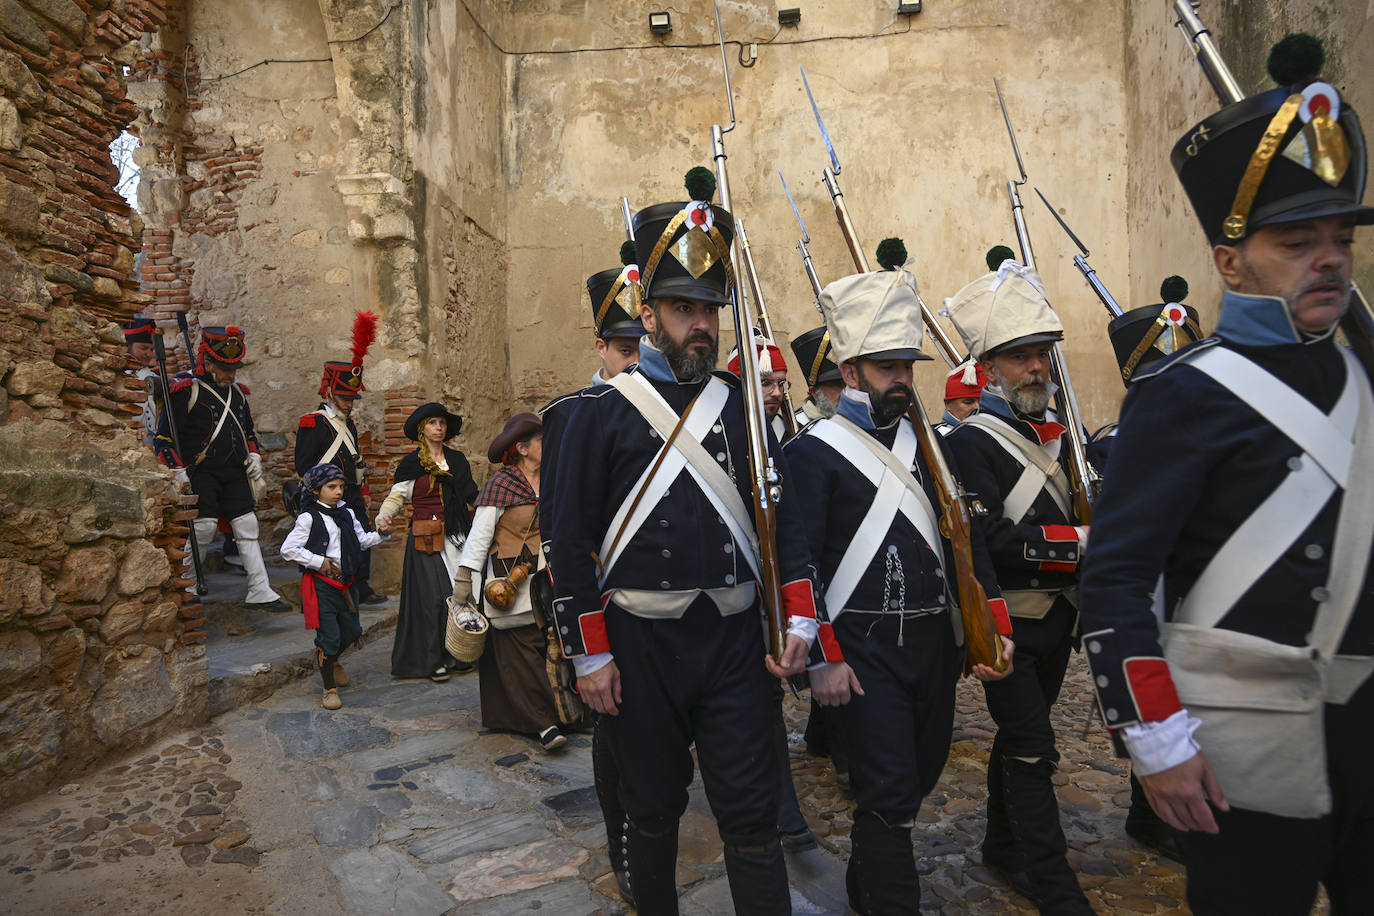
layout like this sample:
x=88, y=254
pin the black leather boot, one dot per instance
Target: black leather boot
x=881, y=878
x=1033, y=813
x=758, y=876
x=652, y=856
x=1148, y=828
x=606, y=776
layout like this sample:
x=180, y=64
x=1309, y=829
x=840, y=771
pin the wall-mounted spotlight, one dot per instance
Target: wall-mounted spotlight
x=909, y=9
x=662, y=22
x=790, y=16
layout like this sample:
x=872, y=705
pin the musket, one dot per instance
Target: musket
x=186, y=339
x=1358, y=320
x=1083, y=478
x=830, y=176
x=805, y=252
x=160, y=350
x=764, y=477
x=1081, y=262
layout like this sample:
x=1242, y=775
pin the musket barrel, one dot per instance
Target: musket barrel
x=1208, y=57
x=811, y=275
x=1107, y=299
x=789, y=412
x=851, y=235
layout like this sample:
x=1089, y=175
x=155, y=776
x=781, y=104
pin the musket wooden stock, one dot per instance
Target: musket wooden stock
x=981, y=640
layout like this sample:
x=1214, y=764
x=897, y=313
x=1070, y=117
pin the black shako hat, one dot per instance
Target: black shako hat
x=1145, y=335
x=684, y=248
x=812, y=351
x=1288, y=154
x=419, y=415
x=140, y=330
x=615, y=298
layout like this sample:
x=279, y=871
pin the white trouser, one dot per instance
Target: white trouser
x=245, y=529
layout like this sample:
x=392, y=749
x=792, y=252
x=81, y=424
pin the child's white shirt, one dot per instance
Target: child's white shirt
x=293, y=548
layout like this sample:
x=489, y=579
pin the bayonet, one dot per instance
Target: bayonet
x=1081, y=262
x=806, y=236
x=1011, y=131
x=1065, y=226
x=628, y=218
x=820, y=122
x=725, y=66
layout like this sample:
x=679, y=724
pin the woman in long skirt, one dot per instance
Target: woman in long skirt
x=437, y=482
x=522, y=686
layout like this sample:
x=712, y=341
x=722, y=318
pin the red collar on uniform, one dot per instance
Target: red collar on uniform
x=1048, y=431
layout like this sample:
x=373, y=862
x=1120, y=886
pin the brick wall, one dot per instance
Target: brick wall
x=97, y=651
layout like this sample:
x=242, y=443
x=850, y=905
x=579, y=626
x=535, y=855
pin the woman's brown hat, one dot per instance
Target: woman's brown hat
x=518, y=427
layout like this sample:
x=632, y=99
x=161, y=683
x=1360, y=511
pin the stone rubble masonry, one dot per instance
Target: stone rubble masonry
x=98, y=653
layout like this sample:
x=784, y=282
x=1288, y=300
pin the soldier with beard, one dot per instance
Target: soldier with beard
x=656, y=569
x=1008, y=453
x=823, y=382
x=869, y=496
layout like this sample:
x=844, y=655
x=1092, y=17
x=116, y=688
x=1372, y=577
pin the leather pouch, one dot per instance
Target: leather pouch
x=428, y=534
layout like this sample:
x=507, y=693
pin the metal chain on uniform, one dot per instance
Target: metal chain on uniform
x=894, y=572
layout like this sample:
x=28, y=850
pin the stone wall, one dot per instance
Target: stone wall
x=96, y=650
x=1168, y=94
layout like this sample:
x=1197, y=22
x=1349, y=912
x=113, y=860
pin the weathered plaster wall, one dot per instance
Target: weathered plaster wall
x=913, y=115
x=1168, y=94
x=97, y=651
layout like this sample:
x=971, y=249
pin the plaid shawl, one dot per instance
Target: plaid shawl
x=506, y=488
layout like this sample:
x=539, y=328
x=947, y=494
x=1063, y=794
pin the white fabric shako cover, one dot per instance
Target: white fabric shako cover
x=872, y=313
x=1001, y=307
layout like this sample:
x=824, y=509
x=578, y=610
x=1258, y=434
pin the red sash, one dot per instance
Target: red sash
x=310, y=599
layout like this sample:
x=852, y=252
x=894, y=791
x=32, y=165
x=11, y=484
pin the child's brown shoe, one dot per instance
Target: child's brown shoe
x=340, y=676
x=331, y=700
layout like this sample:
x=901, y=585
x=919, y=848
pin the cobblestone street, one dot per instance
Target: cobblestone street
x=400, y=803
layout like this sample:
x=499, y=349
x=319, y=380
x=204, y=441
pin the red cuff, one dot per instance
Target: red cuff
x=1060, y=533
x=253, y=447
x=1059, y=567
x=998, y=606
x=799, y=599
x=1152, y=688
x=830, y=646
x=593, y=627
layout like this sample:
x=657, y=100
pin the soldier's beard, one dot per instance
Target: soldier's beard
x=887, y=405
x=824, y=403
x=687, y=364
x=1031, y=403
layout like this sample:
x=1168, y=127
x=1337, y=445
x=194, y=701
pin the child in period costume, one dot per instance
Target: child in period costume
x=327, y=543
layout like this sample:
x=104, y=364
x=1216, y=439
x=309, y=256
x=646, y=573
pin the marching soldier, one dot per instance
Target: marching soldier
x=823, y=382
x=1227, y=611
x=138, y=339
x=328, y=435
x=654, y=559
x=615, y=302
x=1140, y=338
x=1009, y=453
x=212, y=417
x=886, y=655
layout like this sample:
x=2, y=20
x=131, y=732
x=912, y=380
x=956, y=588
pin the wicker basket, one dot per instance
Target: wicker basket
x=464, y=644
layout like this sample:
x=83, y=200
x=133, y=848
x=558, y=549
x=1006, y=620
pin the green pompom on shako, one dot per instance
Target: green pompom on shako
x=1173, y=289
x=700, y=183
x=997, y=254
x=627, y=252
x=1296, y=60
x=891, y=253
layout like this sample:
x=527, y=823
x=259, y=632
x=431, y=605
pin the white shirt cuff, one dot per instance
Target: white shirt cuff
x=1159, y=746
x=588, y=664
x=818, y=666
x=1082, y=538
x=805, y=627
